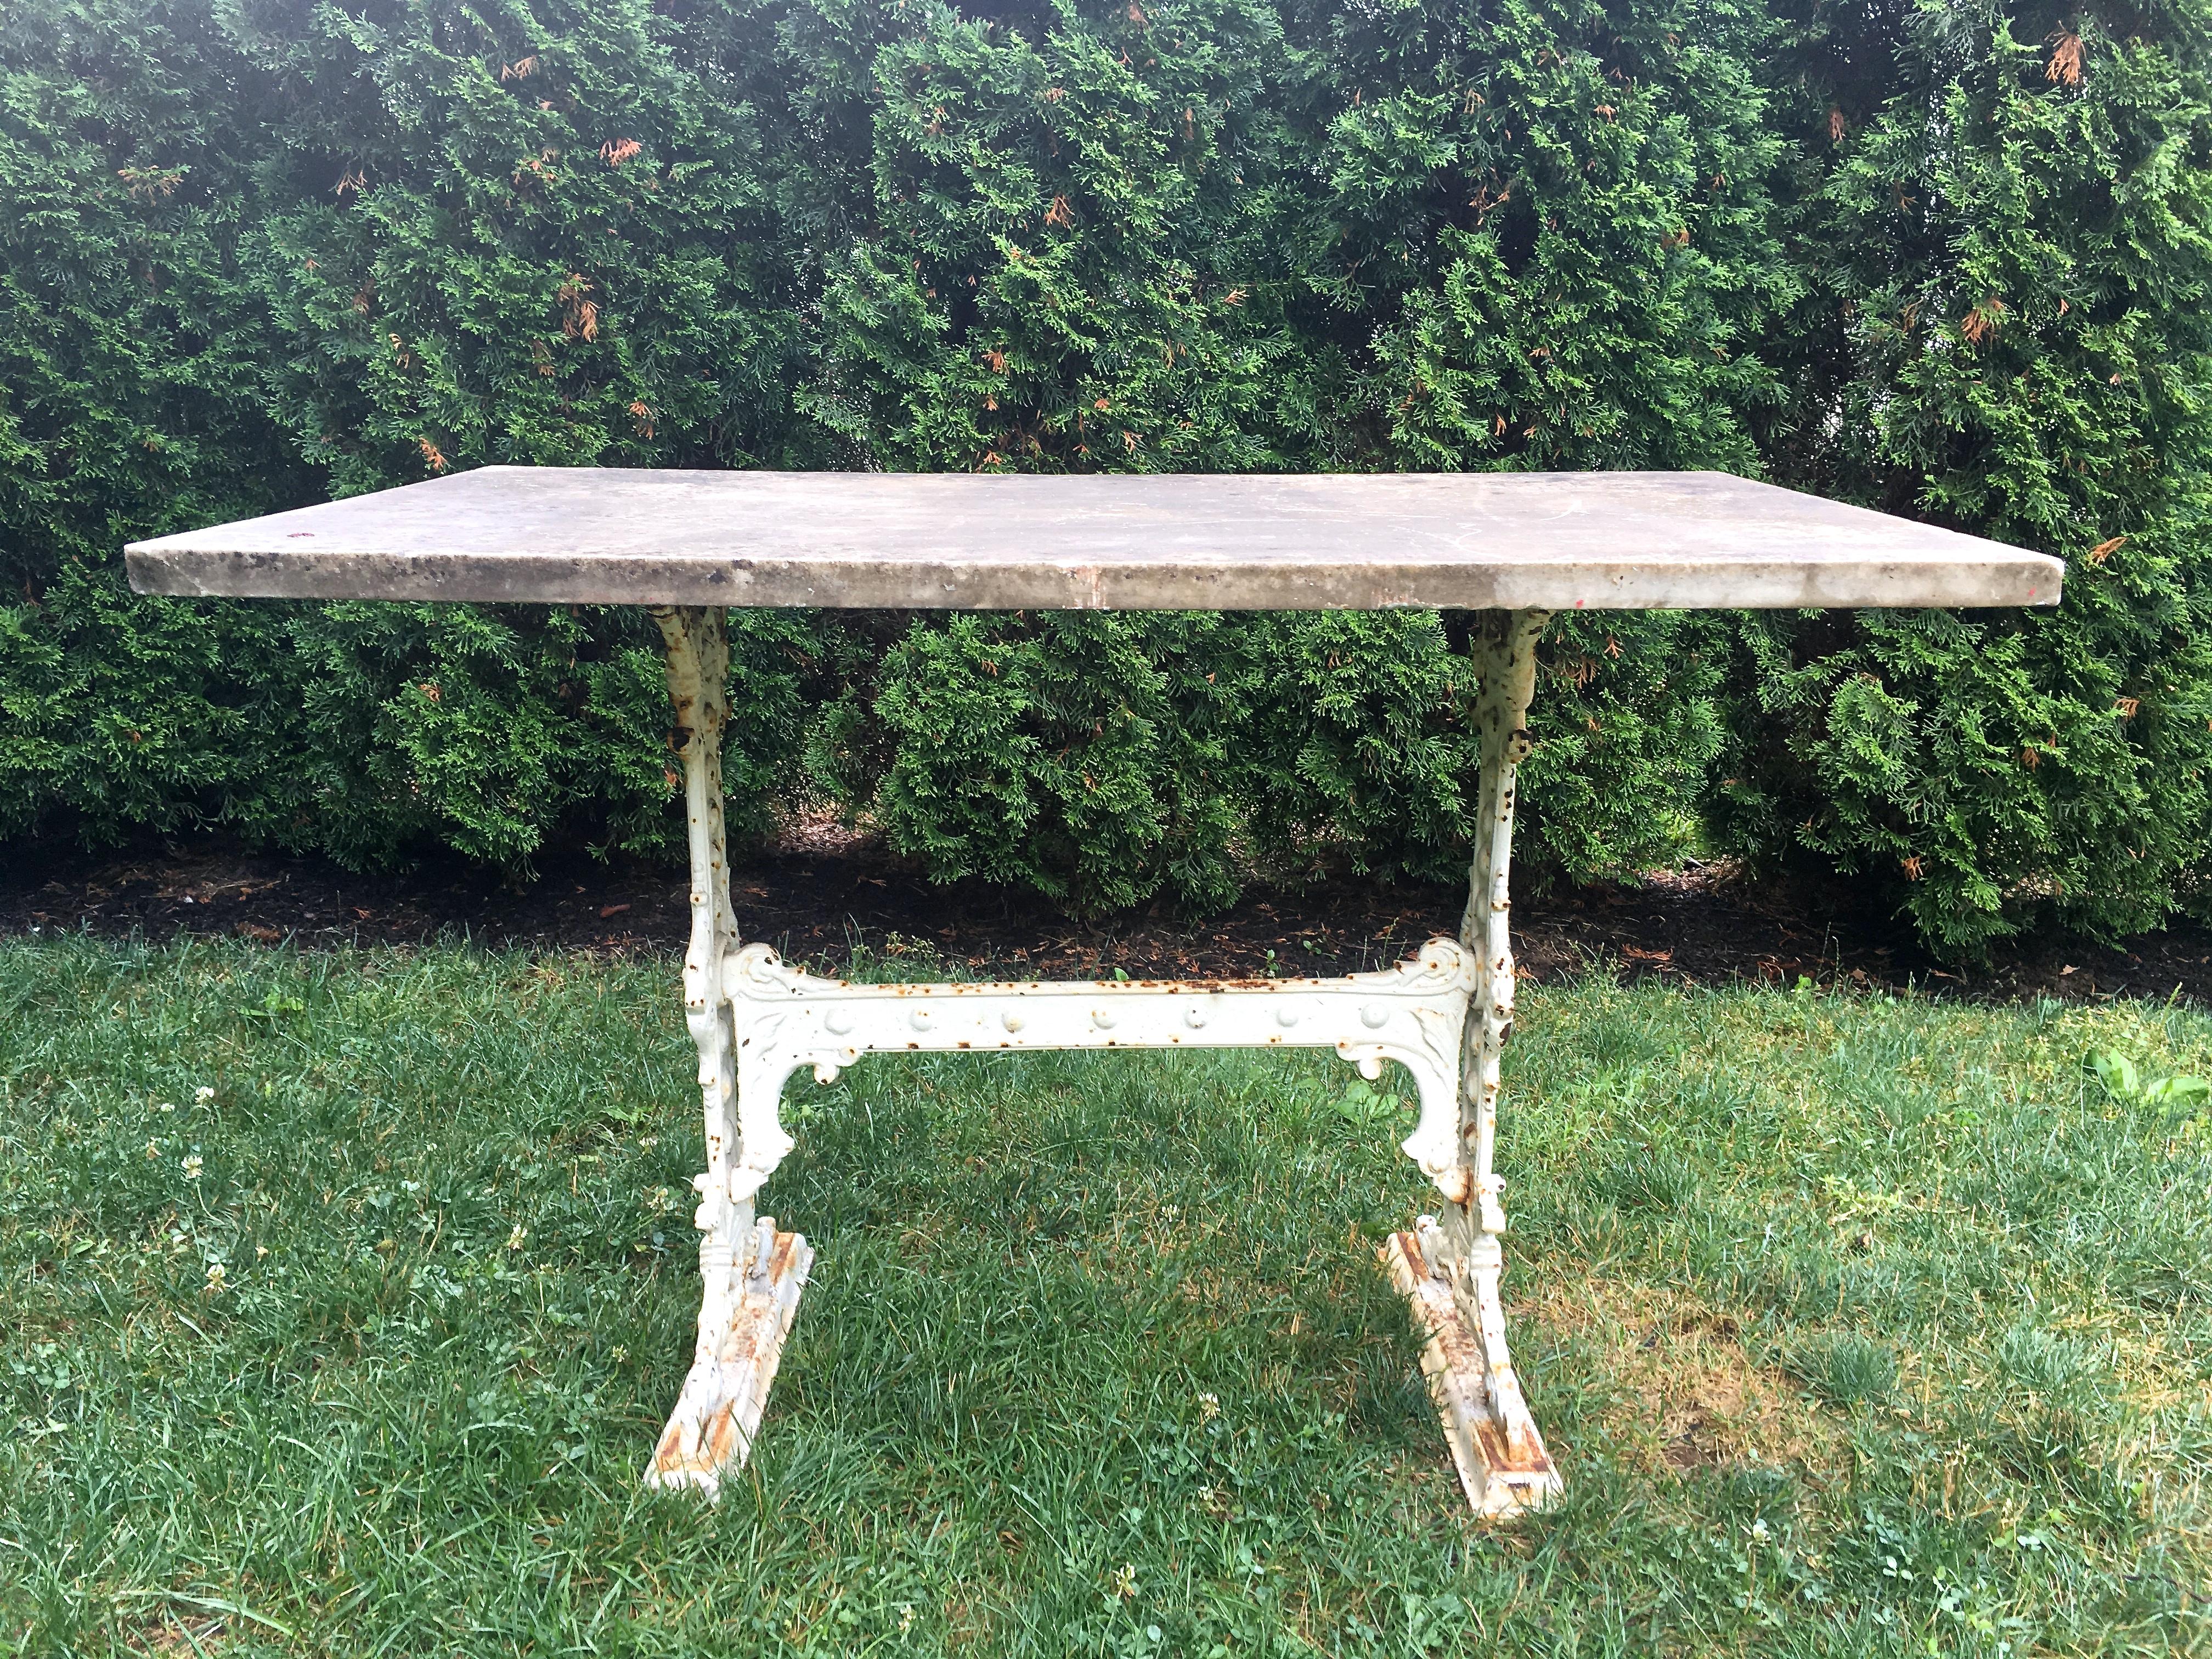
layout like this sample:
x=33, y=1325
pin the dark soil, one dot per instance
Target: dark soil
x=822, y=895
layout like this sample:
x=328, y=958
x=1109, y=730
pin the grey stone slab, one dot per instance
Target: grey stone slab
x=1561, y=541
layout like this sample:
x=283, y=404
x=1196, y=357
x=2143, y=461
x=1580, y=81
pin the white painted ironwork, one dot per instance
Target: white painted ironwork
x=1497, y=1475
x=751, y=1274
x=1444, y=1015
x=785, y=1018
x=1462, y=1247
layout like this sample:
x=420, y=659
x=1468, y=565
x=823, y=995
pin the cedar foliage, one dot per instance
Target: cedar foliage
x=2009, y=333
x=1946, y=259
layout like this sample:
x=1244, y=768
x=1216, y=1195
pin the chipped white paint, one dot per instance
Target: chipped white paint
x=785, y=1018
x=720, y=1411
x=1462, y=1249
x=747, y=1300
x=1444, y=1015
x=1500, y=1472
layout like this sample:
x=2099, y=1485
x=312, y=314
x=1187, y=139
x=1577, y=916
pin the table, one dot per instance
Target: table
x=1516, y=547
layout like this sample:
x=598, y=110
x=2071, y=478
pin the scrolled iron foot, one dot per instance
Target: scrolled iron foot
x=1503, y=1465
x=719, y=1413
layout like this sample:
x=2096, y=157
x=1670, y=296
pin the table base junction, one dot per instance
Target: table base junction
x=1444, y=1015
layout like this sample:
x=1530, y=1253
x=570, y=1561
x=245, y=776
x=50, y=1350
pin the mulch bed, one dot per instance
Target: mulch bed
x=822, y=895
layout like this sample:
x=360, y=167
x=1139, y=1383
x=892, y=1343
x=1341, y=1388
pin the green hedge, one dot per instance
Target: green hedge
x=1946, y=259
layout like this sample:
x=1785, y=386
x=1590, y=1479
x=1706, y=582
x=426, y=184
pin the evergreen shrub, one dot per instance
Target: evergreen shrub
x=1948, y=259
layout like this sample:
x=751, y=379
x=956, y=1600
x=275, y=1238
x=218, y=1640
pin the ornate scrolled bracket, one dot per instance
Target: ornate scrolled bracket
x=785, y=1018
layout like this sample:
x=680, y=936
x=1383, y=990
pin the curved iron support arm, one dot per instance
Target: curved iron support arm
x=750, y=1273
x=1451, y=1264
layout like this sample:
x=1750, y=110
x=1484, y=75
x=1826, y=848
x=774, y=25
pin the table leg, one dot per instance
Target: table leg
x=1450, y=1266
x=751, y=1274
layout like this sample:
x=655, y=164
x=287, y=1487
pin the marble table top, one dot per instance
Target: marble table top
x=1185, y=541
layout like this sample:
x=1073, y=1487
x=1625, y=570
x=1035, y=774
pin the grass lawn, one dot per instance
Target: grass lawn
x=342, y=1297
